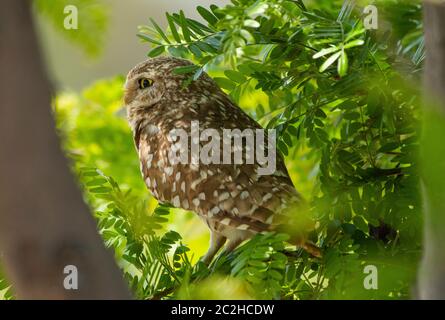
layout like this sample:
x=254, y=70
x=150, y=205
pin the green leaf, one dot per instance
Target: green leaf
x=275, y=274
x=187, y=34
x=96, y=182
x=351, y=115
x=100, y=190
x=173, y=29
x=330, y=61
x=199, y=27
x=235, y=76
x=361, y=224
x=354, y=43
x=185, y=69
x=215, y=10
x=207, y=15
x=179, y=51
x=3, y=284
x=247, y=36
x=148, y=39
x=251, y=23
x=283, y=148
x=156, y=51
x=225, y=83
x=195, y=50
x=198, y=74
x=159, y=30
x=206, y=47
x=257, y=264
x=389, y=147
x=348, y=104
x=196, y=27
x=354, y=34
x=292, y=130
x=257, y=8
x=324, y=52
x=320, y=113
x=343, y=64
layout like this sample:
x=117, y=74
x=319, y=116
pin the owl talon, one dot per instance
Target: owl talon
x=216, y=242
x=312, y=249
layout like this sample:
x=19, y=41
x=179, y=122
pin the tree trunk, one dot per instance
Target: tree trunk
x=432, y=272
x=44, y=222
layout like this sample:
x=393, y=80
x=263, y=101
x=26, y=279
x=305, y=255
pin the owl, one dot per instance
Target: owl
x=232, y=198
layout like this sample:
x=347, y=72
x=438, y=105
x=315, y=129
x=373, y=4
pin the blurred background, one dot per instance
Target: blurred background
x=87, y=67
x=72, y=68
x=348, y=131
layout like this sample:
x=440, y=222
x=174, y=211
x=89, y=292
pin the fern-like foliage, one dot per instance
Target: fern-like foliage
x=336, y=94
x=344, y=102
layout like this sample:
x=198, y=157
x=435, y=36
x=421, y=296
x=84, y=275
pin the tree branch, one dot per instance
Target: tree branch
x=432, y=272
x=44, y=222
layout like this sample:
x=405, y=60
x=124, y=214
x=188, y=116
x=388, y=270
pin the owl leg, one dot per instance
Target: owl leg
x=232, y=244
x=216, y=242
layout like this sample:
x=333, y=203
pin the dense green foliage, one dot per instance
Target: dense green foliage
x=345, y=106
x=336, y=95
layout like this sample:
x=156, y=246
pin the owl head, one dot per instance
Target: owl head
x=152, y=80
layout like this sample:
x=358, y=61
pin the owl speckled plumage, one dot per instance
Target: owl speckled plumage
x=232, y=199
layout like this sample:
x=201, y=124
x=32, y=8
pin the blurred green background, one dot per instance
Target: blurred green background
x=348, y=130
x=110, y=27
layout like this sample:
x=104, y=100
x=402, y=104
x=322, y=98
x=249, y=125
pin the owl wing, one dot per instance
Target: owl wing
x=232, y=195
x=236, y=194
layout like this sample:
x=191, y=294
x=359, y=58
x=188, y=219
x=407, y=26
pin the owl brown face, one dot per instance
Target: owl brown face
x=143, y=89
x=148, y=82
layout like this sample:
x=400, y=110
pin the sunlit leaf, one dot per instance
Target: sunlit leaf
x=329, y=61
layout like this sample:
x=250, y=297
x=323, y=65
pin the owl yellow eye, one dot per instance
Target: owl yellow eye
x=145, y=83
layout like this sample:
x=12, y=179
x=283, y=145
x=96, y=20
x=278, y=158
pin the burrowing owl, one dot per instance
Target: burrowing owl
x=233, y=199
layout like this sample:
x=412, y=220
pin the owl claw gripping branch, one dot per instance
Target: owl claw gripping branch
x=232, y=199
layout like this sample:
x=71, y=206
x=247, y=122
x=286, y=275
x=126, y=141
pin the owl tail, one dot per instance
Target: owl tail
x=299, y=237
x=300, y=240
x=298, y=223
x=312, y=249
x=307, y=246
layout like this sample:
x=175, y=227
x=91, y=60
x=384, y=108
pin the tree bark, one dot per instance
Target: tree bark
x=431, y=283
x=44, y=222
